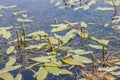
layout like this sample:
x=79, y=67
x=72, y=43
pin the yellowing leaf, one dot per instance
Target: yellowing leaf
x=18, y=77
x=39, y=46
x=41, y=59
x=52, y=70
x=64, y=71
x=72, y=61
x=83, y=24
x=6, y=76
x=10, y=49
x=79, y=51
x=41, y=74
x=41, y=33
x=10, y=62
x=82, y=59
x=96, y=46
x=4, y=70
x=100, y=41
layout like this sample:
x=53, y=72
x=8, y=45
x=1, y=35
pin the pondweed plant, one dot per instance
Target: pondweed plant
x=52, y=54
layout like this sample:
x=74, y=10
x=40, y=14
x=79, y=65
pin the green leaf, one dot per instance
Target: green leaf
x=117, y=63
x=6, y=28
x=116, y=73
x=6, y=34
x=41, y=33
x=42, y=73
x=100, y=41
x=116, y=27
x=82, y=59
x=109, y=69
x=96, y=46
x=53, y=40
x=24, y=15
x=83, y=34
x=24, y=20
x=79, y=51
x=52, y=70
x=10, y=49
x=6, y=76
x=18, y=12
x=10, y=62
x=39, y=46
x=72, y=61
x=64, y=71
x=61, y=28
x=41, y=59
x=104, y=8
x=4, y=70
x=83, y=24
x=18, y=77
x=68, y=36
x=86, y=7
x=57, y=36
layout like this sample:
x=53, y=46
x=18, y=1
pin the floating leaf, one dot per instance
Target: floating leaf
x=41, y=59
x=83, y=34
x=68, y=36
x=109, y=69
x=64, y=71
x=4, y=70
x=117, y=63
x=96, y=46
x=24, y=15
x=41, y=33
x=79, y=51
x=58, y=36
x=18, y=77
x=18, y=12
x=6, y=76
x=42, y=73
x=104, y=8
x=59, y=29
x=72, y=61
x=52, y=70
x=116, y=27
x=58, y=3
x=10, y=62
x=83, y=24
x=39, y=46
x=86, y=7
x=6, y=28
x=100, y=41
x=10, y=49
x=24, y=20
x=6, y=34
x=82, y=59
x=116, y=73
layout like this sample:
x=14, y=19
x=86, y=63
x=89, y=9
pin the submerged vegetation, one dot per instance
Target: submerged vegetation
x=74, y=54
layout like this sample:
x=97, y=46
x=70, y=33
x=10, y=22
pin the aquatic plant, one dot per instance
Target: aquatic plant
x=58, y=54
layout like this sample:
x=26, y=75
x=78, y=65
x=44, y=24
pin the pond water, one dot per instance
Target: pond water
x=44, y=13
